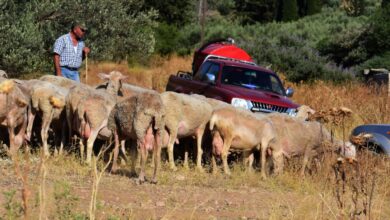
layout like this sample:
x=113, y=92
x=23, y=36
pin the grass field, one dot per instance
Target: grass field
x=62, y=188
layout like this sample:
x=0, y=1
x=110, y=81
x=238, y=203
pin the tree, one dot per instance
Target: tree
x=251, y=11
x=117, y=29
x=288, y=10
x=173, y=12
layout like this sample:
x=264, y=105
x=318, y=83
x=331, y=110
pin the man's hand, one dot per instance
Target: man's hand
x=86, y=50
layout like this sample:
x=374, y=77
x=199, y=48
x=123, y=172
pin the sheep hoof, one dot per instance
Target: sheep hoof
x=173, y=168
x=153, y=181
x=140, y=181
x=200, y=169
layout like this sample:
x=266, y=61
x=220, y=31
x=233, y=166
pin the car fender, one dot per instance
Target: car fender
x=381, y=141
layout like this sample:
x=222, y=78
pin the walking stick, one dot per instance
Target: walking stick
x=86, y=68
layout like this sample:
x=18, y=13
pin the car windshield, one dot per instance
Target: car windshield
x=251, y=79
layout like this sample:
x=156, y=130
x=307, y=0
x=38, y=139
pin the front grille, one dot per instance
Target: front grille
x=263, y=107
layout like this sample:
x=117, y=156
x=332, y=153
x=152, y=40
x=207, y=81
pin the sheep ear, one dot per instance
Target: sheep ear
x=123, y=77
x=104, y=76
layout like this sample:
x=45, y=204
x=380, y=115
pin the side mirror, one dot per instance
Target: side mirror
x=289, y=92
x=209, y=78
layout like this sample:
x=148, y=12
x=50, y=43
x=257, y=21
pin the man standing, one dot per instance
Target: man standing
x=69, y=52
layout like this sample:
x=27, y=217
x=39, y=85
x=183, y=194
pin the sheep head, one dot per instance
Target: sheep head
x=114, y=79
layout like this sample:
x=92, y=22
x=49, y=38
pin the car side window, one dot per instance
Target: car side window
x=214, y=70
x=202, y=71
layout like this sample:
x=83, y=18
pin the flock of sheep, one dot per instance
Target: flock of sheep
x=144, y=120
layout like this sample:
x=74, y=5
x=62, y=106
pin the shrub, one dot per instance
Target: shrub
x=117, y=29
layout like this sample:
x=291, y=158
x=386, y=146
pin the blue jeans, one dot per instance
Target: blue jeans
x=73, y=75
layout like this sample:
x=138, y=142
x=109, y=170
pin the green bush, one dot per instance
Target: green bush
x=116, y=30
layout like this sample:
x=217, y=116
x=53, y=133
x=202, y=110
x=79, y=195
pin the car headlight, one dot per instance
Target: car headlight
x=242, y=103
x=292, y=112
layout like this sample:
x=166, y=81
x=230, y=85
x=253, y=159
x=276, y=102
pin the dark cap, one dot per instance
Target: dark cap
x=80, y=24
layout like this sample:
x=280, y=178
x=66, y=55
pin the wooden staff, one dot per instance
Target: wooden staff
x=86, y=68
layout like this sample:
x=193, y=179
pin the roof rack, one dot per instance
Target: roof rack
x=215, y=57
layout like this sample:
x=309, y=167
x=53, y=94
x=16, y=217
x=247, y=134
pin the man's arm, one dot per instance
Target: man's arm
x=57, y=64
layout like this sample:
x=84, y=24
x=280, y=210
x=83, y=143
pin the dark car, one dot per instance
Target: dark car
x=380, y=137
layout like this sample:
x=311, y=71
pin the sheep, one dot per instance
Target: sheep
x=89, y=109
x=126, y=91
x=3, y=74
x=241, y=130
x=13, y=113
x=303, y=112
x=48, y=100
x=60, y=81
x=296, y=137
x=139, y=118
x=185, y=116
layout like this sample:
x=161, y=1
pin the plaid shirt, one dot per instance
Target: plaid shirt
x=68, y=57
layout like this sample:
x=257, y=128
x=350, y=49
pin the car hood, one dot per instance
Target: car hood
x=260, y=96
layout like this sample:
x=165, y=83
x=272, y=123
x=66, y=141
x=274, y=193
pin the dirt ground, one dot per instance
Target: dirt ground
x=182, y=194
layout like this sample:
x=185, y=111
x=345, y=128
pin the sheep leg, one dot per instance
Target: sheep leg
x=69, y=117
x=31, y=117
x=11, y=134
x=134, y=154
x=63, y=134
x=248, y=160
x=156, y=157
x=44, y=132
x=225, y=152
x=143, y=151
x=114, y=166
x=306, y=159
x=278, y=160
x=171, y=143
x=19, y=138
x=82, y=148
x=90, y=142
x=214, y=164
x=264, y=147
x=199, y=136
x=123, y=150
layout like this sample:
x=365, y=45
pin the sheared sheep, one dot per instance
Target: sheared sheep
x=48, y=100
x=139, y=118
x=60, y=81
x=13, y=113
x=89, y=109
x=185, y=116
x=241, y=130
x=296, y=137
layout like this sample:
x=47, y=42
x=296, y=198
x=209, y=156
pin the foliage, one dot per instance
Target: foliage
x=173, y=12
x=117, y=29
x=353, y=7
x=13, y=208
x=252, y=11
x=289, y=10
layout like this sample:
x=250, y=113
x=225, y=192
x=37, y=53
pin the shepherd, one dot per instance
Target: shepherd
x=70, y=51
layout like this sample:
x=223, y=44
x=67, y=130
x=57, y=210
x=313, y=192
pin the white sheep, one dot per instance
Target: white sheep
x=238, y=129
x=48, y=100
x=88, y=109
x=185, y=116
x=13, y=112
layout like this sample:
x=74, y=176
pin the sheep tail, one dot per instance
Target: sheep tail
x=213, y=119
